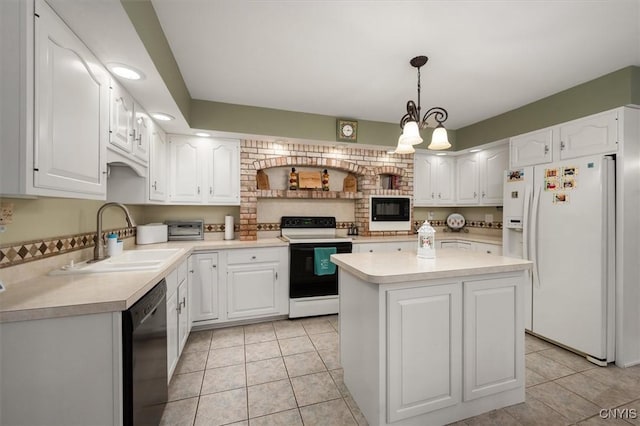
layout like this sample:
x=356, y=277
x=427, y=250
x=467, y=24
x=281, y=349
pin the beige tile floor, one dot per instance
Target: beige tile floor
x=287, y=373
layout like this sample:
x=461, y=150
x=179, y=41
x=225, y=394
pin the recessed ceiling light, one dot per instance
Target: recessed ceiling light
x=475, y=150
x=126, y=71
x=162, y=116
x=441, y=153
x=203, y=134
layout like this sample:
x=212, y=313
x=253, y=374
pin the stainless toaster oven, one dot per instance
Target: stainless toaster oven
x=183, y=230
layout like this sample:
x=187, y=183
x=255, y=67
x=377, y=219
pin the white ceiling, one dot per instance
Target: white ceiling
x=351, y=58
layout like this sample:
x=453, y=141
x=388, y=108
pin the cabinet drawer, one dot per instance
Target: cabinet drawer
x=182, y=271
x=253, y=255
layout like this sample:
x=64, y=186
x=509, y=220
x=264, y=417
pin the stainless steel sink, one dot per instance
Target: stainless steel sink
x=130, y=260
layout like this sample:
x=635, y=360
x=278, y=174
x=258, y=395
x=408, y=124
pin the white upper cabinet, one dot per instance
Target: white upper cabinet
x=185, y=170
x=433, y=179
x=158, y=166
x=223, y=167
x=467, y=183
x=121, y=119
x=129, y=126
x=143, y=128
x=204, y=171
x=493, y=163
x=596, y=134
x=531, y=148
x=70, y=115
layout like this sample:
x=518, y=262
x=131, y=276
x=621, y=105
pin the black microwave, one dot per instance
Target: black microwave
x=390, y=213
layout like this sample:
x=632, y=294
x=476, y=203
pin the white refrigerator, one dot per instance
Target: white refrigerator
x=561, y=216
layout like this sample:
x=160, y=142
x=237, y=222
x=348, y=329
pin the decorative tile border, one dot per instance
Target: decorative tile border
x=17, y=253
x=470, y=224
x=276, y=226
x=219, y=227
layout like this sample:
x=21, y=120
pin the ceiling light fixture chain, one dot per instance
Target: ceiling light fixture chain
x=411, y=123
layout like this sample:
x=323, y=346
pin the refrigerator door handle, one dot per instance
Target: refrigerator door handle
x=525, y=222
x=534, y=236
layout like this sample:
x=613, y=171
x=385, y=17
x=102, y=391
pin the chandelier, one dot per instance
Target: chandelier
x=411, y=123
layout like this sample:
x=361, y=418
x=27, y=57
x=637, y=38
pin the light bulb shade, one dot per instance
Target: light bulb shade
x=410, y=134
x=404, y=148
x=439, y=139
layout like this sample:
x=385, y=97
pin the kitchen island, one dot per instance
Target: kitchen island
x=431, y=341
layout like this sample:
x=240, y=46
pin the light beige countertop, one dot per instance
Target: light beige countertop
x=440, y=236
x=67, y=295
x=396, y=267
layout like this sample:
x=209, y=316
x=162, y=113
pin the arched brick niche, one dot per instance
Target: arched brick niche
x=366, y=164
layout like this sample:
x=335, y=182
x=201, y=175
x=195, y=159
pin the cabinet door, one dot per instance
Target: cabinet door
x=223, y=173
x=203, y=286
x=71, y=111
x=121, y=119
x=424, y=172
x=143, y=127
x=158, y=166
x=185, y=172
x=252, y=290
x=184, y=324
x=445, y=178
x=493, y=163
x=531, y=148
x=424, y=340
x=494, y=249
x=172, y=334
x=597, y=134
x=467, y=183
x=493, y=336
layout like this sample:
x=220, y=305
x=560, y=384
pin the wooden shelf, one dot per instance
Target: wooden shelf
x=308, y=194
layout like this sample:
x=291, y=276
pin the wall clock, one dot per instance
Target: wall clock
x=347, y=130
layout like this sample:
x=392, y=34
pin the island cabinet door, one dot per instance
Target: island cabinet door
x=425, y=350
x=493, y=336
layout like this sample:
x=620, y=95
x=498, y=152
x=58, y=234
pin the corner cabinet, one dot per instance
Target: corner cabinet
x=178, y=315
x=204, y=171
x=203, y=286
x=56, y=96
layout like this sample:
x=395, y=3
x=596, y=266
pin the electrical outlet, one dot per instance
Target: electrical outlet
x=488, y=218
x=430, y=215
x=6, y=213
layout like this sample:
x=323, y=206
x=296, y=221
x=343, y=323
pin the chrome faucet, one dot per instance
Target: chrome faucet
x=98, y=250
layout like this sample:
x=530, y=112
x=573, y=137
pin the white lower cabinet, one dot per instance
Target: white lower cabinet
x=238, y=284
x=495, y=249
x=203, y=286
x=257, y=284
x=385, y=247
x=425, y=349
x=178, y=324
x=493, y=340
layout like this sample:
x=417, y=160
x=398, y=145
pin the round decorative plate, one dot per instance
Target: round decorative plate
x=455, y=221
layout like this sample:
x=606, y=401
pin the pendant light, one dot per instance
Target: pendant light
x=411, y=123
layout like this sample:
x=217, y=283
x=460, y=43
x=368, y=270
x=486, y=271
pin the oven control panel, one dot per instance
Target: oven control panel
x=308, y=222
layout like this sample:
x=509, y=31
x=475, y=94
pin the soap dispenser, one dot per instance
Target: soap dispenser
x=426, y=241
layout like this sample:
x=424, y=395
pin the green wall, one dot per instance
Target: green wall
x=612, y=90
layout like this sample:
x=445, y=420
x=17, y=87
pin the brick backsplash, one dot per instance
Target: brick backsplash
x=367, y=165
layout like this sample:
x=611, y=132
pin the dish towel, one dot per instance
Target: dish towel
x=321, y=263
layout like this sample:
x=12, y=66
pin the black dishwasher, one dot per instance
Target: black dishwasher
x=144, y=351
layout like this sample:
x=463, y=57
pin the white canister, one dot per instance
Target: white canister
x=112, y=244
x=426, y=241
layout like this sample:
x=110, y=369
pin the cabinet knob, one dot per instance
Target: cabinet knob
x=214, y=266
x=191, y=271
x=483, y=194
x=155, y=184
x=439, y=195
x=253, y=258
x=561, y=146
x=198, y=190
x=433, y=195
x=546, y=149
x=399, y=249
x=370, y=250
x=475, y=194
x=210, y=190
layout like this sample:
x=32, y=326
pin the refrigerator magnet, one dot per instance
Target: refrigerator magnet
x=550, y=184
x=569, y=171
x=515, y=175
x=560, y=198
x=551, y=173
x=568, y=183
